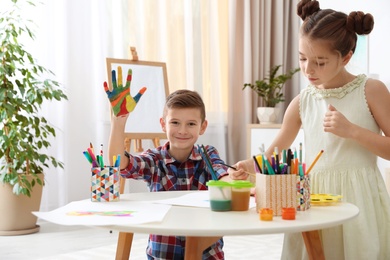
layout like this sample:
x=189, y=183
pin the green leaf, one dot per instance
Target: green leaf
x=270, y=89
x=16, y=189
x=23, y=89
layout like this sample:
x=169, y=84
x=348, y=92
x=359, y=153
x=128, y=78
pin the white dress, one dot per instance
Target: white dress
x=348, y=169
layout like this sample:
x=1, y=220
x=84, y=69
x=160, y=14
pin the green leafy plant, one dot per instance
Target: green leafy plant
x=24, y=133
x=271, y=88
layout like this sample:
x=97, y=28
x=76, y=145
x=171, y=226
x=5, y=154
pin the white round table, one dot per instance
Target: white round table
x=202, y=227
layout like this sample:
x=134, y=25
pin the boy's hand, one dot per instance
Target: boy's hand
x=121, y=101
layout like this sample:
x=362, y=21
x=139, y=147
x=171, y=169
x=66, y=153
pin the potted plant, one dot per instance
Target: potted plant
x=271, y=91
x=24, y=133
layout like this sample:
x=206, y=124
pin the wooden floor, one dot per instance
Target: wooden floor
x=57, y=242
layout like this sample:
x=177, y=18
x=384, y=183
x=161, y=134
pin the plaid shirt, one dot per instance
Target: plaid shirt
x=163, y=173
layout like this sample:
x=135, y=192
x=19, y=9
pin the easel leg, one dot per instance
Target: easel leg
x=196, y=245
x=124, y=246
x=156, y=142
x=138, y=146
x=313, y=245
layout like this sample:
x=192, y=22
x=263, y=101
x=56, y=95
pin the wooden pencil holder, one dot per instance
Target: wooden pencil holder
x=105, y=184
x=276, y=192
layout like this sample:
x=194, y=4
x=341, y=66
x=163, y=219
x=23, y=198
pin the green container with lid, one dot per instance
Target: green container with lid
x=220, y=193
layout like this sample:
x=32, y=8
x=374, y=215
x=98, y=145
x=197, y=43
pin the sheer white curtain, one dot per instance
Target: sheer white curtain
x=261, y=34
x=191, y=37
x=73, y=40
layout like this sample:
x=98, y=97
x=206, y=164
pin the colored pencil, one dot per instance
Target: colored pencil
x=315, y=161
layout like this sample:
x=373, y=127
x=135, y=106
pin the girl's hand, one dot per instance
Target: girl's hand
x=241, y=173
x=121, y=101
x=336, y=123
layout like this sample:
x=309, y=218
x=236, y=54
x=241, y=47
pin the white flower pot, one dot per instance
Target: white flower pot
x=268, y=115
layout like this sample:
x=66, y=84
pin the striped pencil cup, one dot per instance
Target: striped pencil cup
x=276, y=192
x=105, y=184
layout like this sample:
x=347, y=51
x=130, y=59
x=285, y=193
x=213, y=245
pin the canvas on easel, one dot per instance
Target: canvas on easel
x=144, y=122
x=152, y=75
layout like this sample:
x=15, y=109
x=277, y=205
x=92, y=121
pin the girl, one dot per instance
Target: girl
x=344, y=115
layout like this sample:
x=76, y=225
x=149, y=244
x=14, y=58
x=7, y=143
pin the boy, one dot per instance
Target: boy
x=177, y=165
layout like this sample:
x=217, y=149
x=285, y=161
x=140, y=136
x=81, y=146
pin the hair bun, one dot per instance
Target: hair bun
x=306, y=8
x=360, y=22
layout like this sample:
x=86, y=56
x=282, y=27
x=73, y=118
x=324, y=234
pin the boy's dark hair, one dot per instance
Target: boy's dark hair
x=338, y=28
x=184, y=98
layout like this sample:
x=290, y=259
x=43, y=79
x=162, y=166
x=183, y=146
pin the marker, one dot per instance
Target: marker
x=91, y=154
x=301, y=170
x=284, y=152
x=273, y=163
x=259, y=160
x=263, y=164
x=86, y=154
x=95, y=162
x=118, y=160
x=295, y=153
x=101, y=156
x=100, y=161
x=269, y=167
x=289, y=161
x=284, y=170
x=296, y=165
x=277, y=159
x=300, y=152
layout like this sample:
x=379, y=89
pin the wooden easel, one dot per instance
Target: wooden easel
x=137, y=138
x=125, y=239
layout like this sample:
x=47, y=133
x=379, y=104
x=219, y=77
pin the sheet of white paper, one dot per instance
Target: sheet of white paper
x=197, y=199
x=88, y=213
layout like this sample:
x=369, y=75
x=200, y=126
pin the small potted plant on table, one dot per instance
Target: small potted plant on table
x=271, y=91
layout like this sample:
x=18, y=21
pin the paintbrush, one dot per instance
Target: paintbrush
x=234, y=168
x=208, y=163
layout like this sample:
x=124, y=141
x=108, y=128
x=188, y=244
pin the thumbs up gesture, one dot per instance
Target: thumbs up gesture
x=335, y=122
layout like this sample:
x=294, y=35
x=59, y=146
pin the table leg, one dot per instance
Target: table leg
x=313, y=245
x=196, y=245
x=124, y=246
